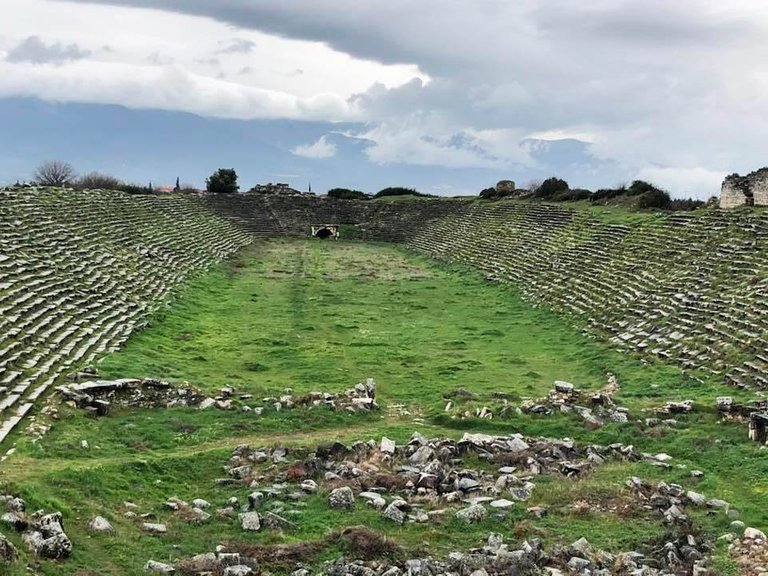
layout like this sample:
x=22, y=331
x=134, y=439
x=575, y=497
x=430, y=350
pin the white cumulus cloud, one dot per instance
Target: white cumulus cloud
x=320, y=149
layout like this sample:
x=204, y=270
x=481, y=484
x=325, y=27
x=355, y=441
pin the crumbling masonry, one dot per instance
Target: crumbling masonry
x=749, y=190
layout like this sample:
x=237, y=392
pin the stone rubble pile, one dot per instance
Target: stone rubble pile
x=750, y=553
x=671, y=501
x=595, y=409
x=42, y=533
x=8, y=552
x=677, y=407
x=495, y=558
x=362, y=397
x=418, y=481
x=98, y=396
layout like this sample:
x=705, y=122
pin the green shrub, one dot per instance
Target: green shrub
x=347, y=194
x=550, y=187
x=608, y=193
x=398, y=191
x=686, y=204
x=639, y=187
x=653, y=199
x=223, y=181
x=572, y=195
x=494, y=194
x=97, y=181
x=135, y=188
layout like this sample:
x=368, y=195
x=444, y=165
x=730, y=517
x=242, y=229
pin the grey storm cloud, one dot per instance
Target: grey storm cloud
x=35, y=51
x=660, y=84
x=437, y=32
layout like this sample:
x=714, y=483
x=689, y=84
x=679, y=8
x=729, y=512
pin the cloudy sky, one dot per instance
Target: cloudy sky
x=448, y=96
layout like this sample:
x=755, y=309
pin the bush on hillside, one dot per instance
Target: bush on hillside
x=603, y=194
x=550, y=187
x=347, y=194
x=223, y=181
x=572, y=195
x=135, y=188
x=97, y=181
x=653, y=199
x=639, y=187
x=494, y=194
x=398, y=191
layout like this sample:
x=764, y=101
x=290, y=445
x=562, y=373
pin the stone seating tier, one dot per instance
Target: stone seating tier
x=79, y=271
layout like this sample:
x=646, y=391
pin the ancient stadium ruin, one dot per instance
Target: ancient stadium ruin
x=513, y=476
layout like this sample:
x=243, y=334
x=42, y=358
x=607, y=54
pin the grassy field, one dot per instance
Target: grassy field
x=322, y=317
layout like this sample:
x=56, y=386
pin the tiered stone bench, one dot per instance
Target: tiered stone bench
x=686, y=288
x=79, y=271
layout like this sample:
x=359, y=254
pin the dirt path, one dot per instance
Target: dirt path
x=18, y=468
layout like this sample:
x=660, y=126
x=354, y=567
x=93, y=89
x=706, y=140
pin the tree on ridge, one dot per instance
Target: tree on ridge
x=54, y=173
x=223, y=181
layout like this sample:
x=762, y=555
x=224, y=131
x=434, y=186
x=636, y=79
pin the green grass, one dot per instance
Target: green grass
x=324, y=316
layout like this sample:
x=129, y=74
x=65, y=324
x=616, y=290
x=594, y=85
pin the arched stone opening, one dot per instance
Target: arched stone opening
x=326, y=231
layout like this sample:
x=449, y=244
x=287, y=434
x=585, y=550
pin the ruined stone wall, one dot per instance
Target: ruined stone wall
x=732, y=196
x=759, y=186
x=750, y=190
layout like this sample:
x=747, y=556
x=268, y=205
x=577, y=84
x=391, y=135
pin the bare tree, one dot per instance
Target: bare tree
x=54, y=173
x=534, y=185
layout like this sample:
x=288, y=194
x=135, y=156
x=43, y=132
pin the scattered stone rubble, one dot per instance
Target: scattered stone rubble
x=595, y=408
x=362, y=397
x=428, y=479
x=677, y=407
x=98, y=396
x=42, y=533
x=8, y=552
x=672, y=501
x=495, y=558
x=750, y=552
x=418, y=481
